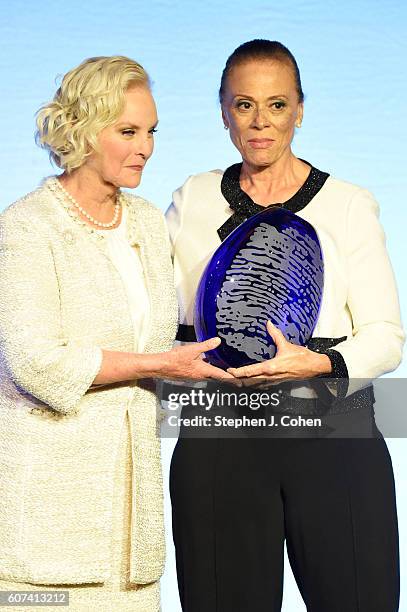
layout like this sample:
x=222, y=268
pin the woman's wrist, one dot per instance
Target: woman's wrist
x=324, y=365
x=152, y=365
x=120, y=366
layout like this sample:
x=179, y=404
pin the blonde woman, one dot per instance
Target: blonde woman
x=87, y=311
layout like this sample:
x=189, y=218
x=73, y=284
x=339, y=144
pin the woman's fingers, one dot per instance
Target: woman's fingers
x=276, y=335
x=264, y=382
x=211, y=371
x=207, y=345
x=193, y=366
x=271, y=369
x=257, y=369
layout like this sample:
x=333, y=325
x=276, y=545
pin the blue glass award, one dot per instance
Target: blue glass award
x=269, y=268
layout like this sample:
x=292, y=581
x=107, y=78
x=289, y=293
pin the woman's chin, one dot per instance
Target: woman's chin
x=131, y=183
x=259, y=161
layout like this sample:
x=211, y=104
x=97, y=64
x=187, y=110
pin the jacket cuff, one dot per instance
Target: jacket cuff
x=339, y=373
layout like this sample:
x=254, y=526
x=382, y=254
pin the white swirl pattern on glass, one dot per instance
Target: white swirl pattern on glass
x=276, y=276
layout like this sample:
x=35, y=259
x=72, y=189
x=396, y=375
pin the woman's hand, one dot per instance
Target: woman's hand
x=186, y=363
x=291, y=362
x=180, y=363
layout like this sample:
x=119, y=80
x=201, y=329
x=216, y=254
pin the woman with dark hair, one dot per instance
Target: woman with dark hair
x=235, y=501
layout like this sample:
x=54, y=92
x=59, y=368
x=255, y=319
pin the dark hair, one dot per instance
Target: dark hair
x=260, y=49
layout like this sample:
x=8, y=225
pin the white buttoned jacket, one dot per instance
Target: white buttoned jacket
x=360, y=300
x=61, y=302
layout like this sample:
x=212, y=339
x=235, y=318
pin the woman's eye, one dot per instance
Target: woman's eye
x=130, y=132
x=278, y=105
x=243, y=105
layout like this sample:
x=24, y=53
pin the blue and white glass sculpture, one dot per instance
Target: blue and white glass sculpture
x=268, y=268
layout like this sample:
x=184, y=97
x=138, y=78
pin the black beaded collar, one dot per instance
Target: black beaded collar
x=243, y=206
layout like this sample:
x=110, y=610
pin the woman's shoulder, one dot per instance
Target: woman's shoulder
x=28, y=210
x=339, y=199
x=145, y=214
x=203, y=179
x=341, y=189
x=198, y=190
x=141, y=206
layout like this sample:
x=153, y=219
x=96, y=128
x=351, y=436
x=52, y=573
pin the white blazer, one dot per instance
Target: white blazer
x=360, y=299
x=62, y=302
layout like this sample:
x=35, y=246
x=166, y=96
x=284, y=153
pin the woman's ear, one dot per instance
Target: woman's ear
x=225, y=120
x=300, y=115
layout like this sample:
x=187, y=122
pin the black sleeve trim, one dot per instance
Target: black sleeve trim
x=339, y=372
x=339, y=369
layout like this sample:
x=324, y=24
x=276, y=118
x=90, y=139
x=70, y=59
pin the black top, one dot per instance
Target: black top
x=244, y=207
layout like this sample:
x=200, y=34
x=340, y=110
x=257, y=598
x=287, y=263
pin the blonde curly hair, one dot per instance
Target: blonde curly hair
x=90, y=98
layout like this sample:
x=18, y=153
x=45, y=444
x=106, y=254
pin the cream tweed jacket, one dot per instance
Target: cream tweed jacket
x=62, y=302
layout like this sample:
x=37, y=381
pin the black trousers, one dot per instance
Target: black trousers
x=235, y=501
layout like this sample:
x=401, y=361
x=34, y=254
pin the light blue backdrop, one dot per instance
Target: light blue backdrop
x=352, y=58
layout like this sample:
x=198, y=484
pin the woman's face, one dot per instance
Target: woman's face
x=260, y=107
x=125, y=146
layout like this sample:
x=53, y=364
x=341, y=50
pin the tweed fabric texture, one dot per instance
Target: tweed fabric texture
x=62, y=302
x=117, y=592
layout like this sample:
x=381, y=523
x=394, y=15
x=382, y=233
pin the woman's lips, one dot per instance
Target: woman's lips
x=137, y=168
x=260, y=143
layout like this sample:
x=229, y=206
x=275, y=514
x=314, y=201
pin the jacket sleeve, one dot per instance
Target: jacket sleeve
x=174, y=213
x=377, y=339
x=34, y=352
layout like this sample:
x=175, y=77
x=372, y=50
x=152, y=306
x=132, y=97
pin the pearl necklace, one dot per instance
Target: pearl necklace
x=86, y=214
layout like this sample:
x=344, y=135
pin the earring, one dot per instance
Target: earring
x=298, y=125
x=225, y=127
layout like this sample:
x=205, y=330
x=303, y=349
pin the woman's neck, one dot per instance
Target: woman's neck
x=275, y=183
x=94, y=195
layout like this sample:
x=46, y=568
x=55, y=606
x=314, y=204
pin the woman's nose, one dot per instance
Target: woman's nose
x=144, y=146
x=261, y=119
